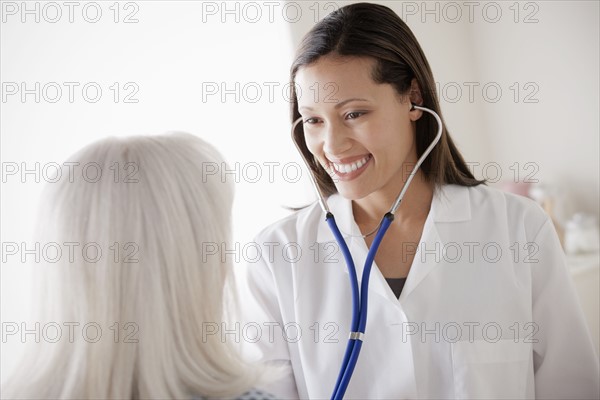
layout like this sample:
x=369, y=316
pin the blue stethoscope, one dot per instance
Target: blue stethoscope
x=359, y=300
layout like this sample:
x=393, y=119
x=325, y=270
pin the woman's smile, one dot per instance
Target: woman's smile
x=348, y=169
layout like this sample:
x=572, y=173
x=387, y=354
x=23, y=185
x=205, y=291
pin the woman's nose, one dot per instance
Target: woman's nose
x=336, y=139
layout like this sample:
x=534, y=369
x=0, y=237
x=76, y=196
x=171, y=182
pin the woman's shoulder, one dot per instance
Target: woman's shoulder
x=491, y=204
x=484, y=194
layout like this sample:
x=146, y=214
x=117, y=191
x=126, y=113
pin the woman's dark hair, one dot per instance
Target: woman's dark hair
x=373, y=30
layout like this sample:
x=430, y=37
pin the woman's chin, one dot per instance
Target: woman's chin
x=351, y=192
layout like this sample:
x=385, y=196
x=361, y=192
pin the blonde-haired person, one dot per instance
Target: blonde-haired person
x=140, y=300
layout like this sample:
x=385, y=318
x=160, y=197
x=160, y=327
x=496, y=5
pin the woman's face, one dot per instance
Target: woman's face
x=361, y=132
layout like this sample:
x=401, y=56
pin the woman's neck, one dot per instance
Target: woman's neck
x=415, y=205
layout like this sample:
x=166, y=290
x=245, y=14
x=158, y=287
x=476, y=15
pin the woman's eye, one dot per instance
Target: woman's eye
x=310, y=121
x=354, y=115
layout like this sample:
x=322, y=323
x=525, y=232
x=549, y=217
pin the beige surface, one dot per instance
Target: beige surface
x=585, y=271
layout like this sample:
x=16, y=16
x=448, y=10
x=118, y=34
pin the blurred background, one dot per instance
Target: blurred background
x=517, y=81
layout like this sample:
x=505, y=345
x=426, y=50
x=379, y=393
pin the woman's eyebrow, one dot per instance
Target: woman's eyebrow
x=338, y=105
x=341, y=103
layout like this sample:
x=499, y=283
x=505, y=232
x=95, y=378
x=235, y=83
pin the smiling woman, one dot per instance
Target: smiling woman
x=474, y=319
x=376, y=130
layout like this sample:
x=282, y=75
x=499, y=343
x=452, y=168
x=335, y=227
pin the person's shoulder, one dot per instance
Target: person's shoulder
x=482, y=194
x=292, y=226
x=512, y=201
x=491, y=203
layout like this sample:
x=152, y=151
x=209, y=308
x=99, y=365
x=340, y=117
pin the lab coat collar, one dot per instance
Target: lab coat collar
x=450, y=203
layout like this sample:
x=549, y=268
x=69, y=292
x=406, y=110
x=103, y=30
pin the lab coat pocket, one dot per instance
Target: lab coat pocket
x=491, y=370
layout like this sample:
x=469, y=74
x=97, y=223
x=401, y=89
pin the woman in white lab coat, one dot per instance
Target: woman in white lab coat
x=486, y=308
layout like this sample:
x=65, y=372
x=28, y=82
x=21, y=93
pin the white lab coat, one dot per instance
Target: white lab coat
x=499, y=320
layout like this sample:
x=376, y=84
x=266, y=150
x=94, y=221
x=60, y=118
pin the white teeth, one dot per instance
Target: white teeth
x=345, y=168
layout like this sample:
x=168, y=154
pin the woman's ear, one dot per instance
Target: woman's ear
x=415, y=98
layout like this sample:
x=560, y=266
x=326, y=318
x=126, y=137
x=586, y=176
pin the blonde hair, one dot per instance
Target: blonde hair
x=150, y=214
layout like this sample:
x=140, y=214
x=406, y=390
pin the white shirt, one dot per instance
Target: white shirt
x=488, y=309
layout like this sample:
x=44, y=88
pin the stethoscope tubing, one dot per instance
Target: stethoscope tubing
x=359, y=305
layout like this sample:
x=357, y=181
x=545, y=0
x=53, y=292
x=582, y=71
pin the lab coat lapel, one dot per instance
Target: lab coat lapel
x=430, y=241
x=450, y=204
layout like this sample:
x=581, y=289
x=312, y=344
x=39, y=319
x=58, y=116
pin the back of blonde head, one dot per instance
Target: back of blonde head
x=148, y=289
